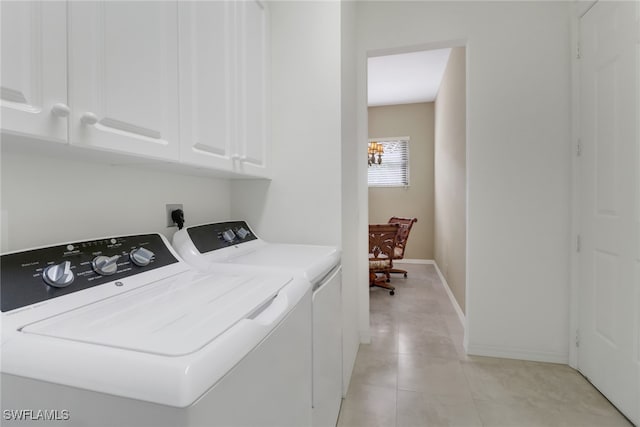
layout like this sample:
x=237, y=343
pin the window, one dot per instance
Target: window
x=394, y=169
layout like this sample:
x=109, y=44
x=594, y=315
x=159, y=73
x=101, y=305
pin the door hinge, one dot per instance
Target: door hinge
x=579, y=148
x=578, y=243
x=577, y=337
x=578, y=52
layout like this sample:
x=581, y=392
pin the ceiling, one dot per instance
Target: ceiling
x=406, y=78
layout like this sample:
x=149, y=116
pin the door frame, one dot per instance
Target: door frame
x=363, y=189
x=579, y=10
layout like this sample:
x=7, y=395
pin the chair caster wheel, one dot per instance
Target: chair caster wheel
x=405, y=275
x=392, y=293
x=388, y=280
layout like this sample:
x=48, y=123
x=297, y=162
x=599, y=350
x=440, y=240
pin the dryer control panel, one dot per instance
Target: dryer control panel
x=210, y=237
x=37, y=275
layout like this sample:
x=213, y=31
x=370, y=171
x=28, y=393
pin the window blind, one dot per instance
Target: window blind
x=394, y=170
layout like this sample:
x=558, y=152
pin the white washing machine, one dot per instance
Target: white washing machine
x=121, y=331
x=233, y=243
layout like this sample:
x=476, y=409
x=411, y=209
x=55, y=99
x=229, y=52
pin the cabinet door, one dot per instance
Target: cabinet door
x=34, y=69
x=124, y=77
x=253, y=89
x=207, y=82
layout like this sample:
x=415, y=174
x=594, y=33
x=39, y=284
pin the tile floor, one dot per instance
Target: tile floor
x=415, y=372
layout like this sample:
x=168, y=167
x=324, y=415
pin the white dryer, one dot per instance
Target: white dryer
x=121, y=331
x=234, y=244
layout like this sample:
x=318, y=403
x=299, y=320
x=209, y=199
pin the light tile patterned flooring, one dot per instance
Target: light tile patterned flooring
x=415, y=372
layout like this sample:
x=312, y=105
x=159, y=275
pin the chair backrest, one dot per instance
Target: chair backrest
x=382, y=239
x=403, y=234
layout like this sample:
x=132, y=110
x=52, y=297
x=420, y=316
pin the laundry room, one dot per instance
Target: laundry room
x=251, y=117
x=102, y=129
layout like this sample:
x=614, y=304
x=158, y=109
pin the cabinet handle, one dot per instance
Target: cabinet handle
x=89, y=118
x=60, y=110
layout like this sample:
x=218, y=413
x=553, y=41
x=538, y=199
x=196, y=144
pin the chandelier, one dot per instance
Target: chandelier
x=373, y=149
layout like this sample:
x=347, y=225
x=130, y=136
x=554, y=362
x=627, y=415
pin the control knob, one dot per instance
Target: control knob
x=59, y=275
x=229, y=235
x=104, y=265
x=242, y=233
x=141, y=256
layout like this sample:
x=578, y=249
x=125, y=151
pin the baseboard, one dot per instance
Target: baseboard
x=456, y=306
x=453, y=299
x=487, y=350
x=516, y=353
x=413, y=261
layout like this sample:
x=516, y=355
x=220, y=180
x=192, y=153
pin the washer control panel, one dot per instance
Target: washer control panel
x=37, y=275
x=210, y=237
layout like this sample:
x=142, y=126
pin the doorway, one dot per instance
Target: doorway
x=434, y=128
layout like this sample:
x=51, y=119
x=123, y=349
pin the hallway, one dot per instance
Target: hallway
x=415, y=372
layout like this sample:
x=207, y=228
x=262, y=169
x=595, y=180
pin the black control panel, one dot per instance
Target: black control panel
x=210, y=237
x=37, y=275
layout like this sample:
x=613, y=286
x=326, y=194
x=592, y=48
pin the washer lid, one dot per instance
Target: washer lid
x=169, y=318
x=314, y=261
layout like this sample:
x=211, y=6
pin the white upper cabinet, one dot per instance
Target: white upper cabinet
x=33, y=93
x=223, y=85
x=166, y=80
x=123, y=77
x=207, y=82
x=253, y=51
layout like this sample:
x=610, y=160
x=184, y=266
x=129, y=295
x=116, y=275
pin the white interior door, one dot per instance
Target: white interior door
x=124, y=76
x=33, y=91
x=609, y=352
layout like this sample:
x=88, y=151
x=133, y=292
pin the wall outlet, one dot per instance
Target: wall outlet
x=171, y=208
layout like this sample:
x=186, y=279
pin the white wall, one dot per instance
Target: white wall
x=518, y=159
x=302, y=202
x=48, y=200
x=350, y=233
x=450, y=170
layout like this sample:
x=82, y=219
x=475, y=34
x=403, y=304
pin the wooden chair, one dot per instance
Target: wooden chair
x=382, y=241
x=403, y=235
